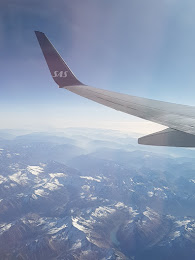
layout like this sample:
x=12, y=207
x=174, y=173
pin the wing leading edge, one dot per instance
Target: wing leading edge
x=179, y=118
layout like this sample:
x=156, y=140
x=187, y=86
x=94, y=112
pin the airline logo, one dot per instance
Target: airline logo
x=60, y=74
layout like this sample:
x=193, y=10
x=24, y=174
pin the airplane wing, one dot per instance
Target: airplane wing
x=180, y=119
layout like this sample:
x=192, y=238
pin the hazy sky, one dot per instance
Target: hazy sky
x=138, y=47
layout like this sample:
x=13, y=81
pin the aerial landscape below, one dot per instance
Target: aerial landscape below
x=93, y=194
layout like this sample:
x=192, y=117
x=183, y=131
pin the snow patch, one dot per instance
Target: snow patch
x=55, y=185
x=157, y=189
x=54, y=175
x=182, y=223
x=102, y=212
x=133, y=212
x=35, y=170
x=77, y=245
x=56, y=229
x=90, y=178
x=86, y=187
x=139, y=183
x=19, y=177
x=34, y=197
x=77, y=225
x=2, y=179
x=41, y=193
x=150, y=194
x=149, y=213
x=120, y=205
x=92, y=198
x=175, y=235
x=4, y=227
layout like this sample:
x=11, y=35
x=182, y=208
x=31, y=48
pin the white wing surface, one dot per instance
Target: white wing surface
x=179, y=118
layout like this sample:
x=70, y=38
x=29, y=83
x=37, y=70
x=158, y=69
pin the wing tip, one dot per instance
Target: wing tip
x=38, y=32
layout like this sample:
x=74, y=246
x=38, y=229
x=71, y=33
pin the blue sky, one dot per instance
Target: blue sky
x=143, y=48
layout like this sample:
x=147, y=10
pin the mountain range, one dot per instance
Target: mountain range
x=94, y=195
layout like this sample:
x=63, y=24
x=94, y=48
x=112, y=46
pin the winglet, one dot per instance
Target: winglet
x=60, y=72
